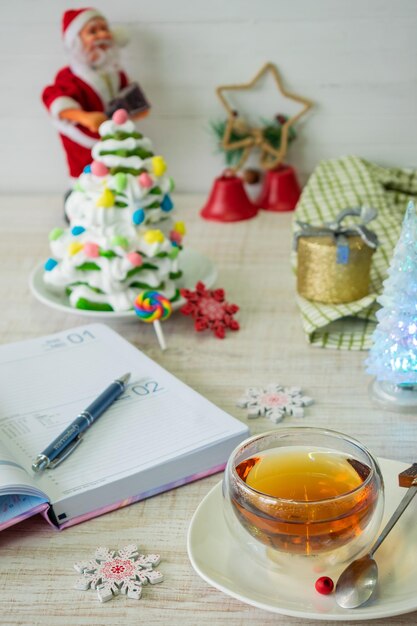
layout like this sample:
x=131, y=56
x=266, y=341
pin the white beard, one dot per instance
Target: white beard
x=106, y=61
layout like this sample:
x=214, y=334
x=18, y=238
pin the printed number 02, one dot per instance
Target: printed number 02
x=149, y=387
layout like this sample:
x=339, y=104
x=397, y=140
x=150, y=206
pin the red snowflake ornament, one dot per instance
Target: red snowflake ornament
x=209, y=310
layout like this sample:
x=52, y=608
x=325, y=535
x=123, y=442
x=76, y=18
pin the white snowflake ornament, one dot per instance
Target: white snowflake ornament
x=124, y=571
x=274, y=401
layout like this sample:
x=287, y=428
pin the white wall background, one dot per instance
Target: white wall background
x=357, y=59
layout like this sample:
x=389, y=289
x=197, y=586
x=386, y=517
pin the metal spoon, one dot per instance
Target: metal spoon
x=358, y=581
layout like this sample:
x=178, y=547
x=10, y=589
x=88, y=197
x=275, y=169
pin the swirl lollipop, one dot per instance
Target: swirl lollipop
x=150, y=307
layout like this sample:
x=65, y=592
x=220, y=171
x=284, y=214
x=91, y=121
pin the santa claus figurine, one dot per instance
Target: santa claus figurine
x=83, y=91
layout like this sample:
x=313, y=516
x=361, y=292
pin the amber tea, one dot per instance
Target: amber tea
x=304, y=501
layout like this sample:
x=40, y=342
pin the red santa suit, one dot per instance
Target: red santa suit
x=80, y=87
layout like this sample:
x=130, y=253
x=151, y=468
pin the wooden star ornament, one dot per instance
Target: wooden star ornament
x=270, y=157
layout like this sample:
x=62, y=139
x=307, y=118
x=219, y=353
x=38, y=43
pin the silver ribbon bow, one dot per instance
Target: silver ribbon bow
x=340, y=233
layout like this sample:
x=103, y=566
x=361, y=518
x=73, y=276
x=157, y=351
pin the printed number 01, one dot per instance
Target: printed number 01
x=76, y=338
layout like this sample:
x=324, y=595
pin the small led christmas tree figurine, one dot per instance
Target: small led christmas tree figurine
x=393, y=356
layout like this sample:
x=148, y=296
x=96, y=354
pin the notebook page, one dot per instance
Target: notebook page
x=14, y=477
x=15, y=508
x=16, y=490
x=157, y=419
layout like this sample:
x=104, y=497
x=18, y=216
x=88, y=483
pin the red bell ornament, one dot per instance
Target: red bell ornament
x=280, y=190
x=228, y=201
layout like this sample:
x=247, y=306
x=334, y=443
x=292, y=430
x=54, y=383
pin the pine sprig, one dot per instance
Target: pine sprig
x=231, y=156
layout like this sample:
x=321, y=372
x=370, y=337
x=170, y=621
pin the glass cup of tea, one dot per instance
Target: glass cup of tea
x=303, y=496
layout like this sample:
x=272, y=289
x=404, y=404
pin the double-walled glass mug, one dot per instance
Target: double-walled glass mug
x=303, y=495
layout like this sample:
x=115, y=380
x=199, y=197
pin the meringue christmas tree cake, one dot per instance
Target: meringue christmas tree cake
x=121, y=238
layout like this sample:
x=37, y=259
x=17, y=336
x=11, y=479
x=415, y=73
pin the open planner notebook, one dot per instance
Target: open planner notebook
x=158, y=435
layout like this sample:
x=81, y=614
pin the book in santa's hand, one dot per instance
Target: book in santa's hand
x=131, y=98
x=159, y=434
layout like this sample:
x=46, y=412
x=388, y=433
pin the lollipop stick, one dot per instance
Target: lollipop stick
x=160, y=335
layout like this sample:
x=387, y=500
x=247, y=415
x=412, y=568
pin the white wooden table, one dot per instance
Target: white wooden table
x=36, y=562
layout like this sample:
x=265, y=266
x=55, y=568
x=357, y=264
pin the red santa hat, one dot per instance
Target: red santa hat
x=74, y=20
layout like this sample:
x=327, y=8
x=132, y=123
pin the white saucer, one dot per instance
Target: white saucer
x=194, y=265
x=220, y=560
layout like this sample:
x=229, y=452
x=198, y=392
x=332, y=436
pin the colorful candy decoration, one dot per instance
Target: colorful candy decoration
x=177, y=233
x=145, y=180
x=55, y=234
x=154, y=236
x=91, y=250
x=120, y=116
x=158, y=165
x=138, y=216
x=120, y=181
x=209, y=310
x=77, y=230
x=87, y=169
x=106, y=200
x=118, y=240
x=50, y=264
x=179, y=227
x=99, y=169
x=75, y=247
x=135, y=259
x=174, y=252
x=175, y=237
x=150, y=307
x=167, y=204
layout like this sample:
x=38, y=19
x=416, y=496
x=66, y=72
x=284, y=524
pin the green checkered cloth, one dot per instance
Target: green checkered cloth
x=346, y=183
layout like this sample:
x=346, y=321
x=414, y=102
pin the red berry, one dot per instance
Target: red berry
x=324, y=585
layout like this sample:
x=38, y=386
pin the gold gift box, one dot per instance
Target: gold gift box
x=322, y=279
